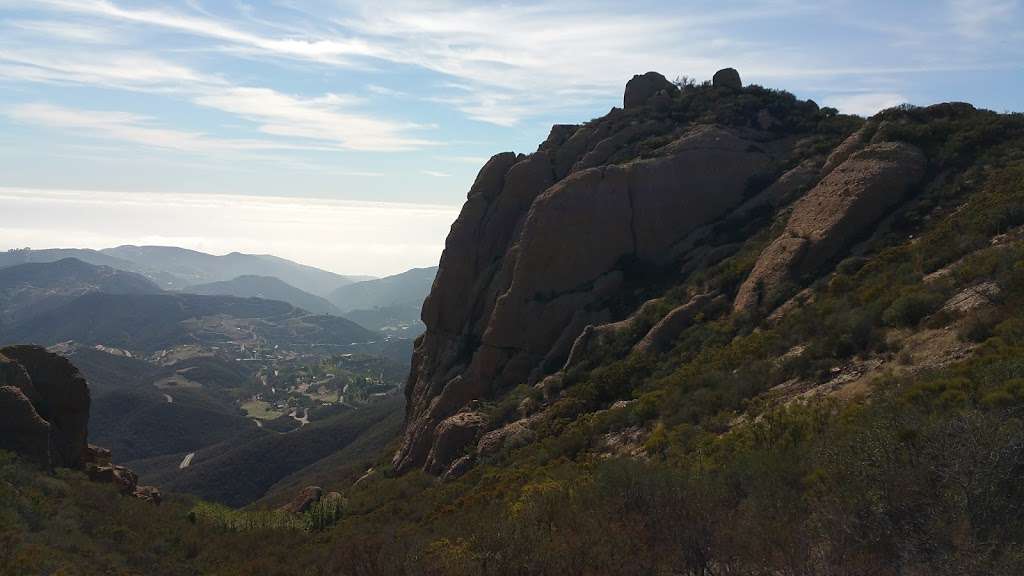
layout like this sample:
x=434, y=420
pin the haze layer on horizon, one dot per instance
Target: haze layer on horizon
x=397, y=103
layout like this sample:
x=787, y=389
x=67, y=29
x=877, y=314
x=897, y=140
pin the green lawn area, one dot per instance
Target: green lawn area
x=260, y=410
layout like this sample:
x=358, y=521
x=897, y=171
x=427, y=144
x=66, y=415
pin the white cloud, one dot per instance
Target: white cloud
x=134, y=128
x=60, y=30
x=866, y=104
x=435, y=173
x=332, y=119
x=376, y=238
x=323, y=119
x=974, y=19
x=329, y=50
x=116, y=69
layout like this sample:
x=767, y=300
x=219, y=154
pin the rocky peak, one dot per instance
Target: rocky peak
x=544, y=245
x=645, y=86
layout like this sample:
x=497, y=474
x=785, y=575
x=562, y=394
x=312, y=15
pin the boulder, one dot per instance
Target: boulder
x=149, y=494
x=660, y=337
x=834, y=214
x=727, y=78
x=303, y=500
x=642, y=87
x=454, y=435
x=62, y=399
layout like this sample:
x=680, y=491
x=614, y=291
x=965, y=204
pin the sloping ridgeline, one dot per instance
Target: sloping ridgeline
x=718, y=331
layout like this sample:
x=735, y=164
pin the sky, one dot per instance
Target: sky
x=345, y=134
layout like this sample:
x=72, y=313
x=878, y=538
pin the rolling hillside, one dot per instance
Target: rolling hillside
x=192, y=267
x=27, y=290
x=406, y=289
x=266, y=287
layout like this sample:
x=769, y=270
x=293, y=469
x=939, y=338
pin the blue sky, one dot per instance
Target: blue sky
x=368, y=121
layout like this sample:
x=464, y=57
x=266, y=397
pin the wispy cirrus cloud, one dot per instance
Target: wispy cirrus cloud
x=122, y=69
x=332, y=119
x=133, y=128
x=327, y=49
x=322, y=118
x=975, y=19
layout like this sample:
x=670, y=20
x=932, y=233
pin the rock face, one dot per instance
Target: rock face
x=840, y=209
x=44, y=416
x=304, y=499
x=453, y=435
x=661, y=335
x=643, y=87
x=58, y=405
x=727, y=78
x=539, y=252
x=548, y=262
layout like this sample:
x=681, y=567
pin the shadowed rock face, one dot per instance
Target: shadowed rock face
x=548, y=257
x=643, y=87
x=57, y=405
x=534, y=257
x=727, y=78
x=22, y=430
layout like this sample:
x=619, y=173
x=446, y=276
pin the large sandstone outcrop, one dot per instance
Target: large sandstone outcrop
x=22, y=429
x=538, y=253
x=59, y=401
x=854, y=195
x=44, y=417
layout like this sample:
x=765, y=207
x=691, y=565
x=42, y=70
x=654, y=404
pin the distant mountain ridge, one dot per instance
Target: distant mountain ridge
x=193, y=267
x=267, y=287
x=30, y=289
x=173, y=268
x=408, y=288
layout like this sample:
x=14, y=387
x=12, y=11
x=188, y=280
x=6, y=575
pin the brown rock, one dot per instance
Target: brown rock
x=839, y=210
x=510, y=436
x=96, y=455
x=973, y=297
x=727, y=78
x=458, y=468
x=642, y=87
x=22, y=430
x=303, y=500
x=853, y=143
x=593, y=338
x=63, y=400
x=531, y=261
x=453, y=435
x=660, y=337
x=149, y=494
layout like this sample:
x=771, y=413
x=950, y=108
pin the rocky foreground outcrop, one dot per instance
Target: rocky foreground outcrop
x=46, y=406
x=547, y=245
x=44, y=417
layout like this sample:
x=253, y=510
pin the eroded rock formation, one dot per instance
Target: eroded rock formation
x=44, y=416
x=839, y=210
x=540, y=270
x=538, y=251
x=56, y=414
